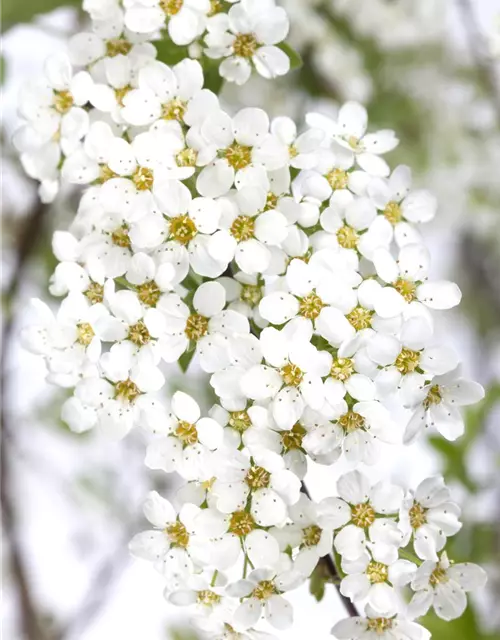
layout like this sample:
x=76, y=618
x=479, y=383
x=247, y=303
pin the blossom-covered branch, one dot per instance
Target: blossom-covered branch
x=289, y=264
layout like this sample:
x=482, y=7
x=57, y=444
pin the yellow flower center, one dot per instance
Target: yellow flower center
x=85, y=333
x=149, y=293
x=337, y=179
x=311, y=535
x=257, y=478
x=393, y=212
x=407, y=361
x=351, y=421
x=243, y=228
x=310, y=306
x=240, y=421
x=183, y=229
x=174, y=110
x=186, y=432
x=360, y=318
x=143, y=178
x=342, y=369
x=238, y=156
x=94, y=293
x=245, y=45
x=196, y=326
x=120, y=236
x=406, y=288
x=291, y=375
x=178, y=535
x=186, y=158
x=434, y=396
x=292, y=439
x=63, y=101
x=171, y=7
x=377, y=572
x=208, y=598
x=379, y=625
x=118, y=46
x=362, y=515
x=127, y=391
x=139, y=334
x=438, y=576
x=347, y=237
x=264, y=590
x=417, y=515
x=216, y=7
x=271, y=201
x=241, y=523
x=251, y=294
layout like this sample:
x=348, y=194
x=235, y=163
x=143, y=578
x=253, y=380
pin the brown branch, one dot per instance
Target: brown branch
x=30, y=618
x=329, y=563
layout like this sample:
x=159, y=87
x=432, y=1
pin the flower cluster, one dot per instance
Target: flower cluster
x=289, y=265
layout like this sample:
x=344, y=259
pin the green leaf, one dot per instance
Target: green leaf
x=15, y=11
x=295, y=57
x=319, y=577
x=185, y=360
x=168, y=52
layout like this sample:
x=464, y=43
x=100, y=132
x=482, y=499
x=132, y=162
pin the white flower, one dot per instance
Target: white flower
x=293, y=376
x=403, y=356
x=383, y=628
x=171, y=546
x=244, y=142
x=320, y=292
x=119, y=402
x=248, y=230
x=302, y=148
x=232, y=533
x=429, y=516
x=201, y=590
x=186, y=19
x=435, y=403
x=248, y=34
x=189, y=439
x=351, y=223
x=407, y=279
x=443, y=585
x=170, y=94
x=350, y=132
x=261, y=593
x=376, y=578
x=355, y=430
x=207, y=327
x=262, y=480
x=309, y=531
x=399, y=205
x=355, y=514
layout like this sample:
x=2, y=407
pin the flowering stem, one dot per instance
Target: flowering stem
x=330, y=565
x=214, y=578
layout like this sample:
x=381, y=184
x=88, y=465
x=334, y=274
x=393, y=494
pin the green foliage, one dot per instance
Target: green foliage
x=319, y=577
x=455, y=453
x=16, y=11
x=168, y=52
x=464, y=628
x=295, y=57
x=185, y=359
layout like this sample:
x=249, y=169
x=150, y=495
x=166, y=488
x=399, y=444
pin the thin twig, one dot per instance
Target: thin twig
x=30, y=616
x=329, y=562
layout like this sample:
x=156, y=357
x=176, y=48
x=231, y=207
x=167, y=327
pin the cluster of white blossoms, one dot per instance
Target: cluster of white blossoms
x=290, y=266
